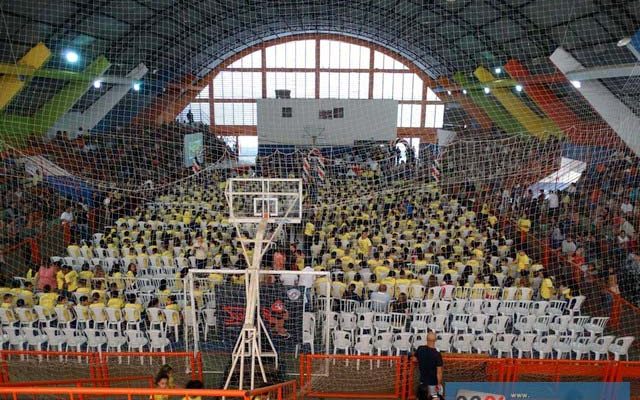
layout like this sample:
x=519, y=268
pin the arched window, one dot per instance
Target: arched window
x=314, y=67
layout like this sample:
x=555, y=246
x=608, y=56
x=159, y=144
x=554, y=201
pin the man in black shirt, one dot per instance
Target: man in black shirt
x=430, y=365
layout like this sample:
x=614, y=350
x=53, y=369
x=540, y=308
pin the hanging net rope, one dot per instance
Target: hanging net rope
x=460, y=159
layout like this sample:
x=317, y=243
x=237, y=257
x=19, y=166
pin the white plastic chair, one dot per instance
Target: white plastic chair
x=458, y=307
x=209, y=318
x=95, y=339
x=172, y=319
x=543, y=345
x=524, y=324
x=581, y=345
x=158, y=340
x=596, y=326
x=35, y=338
x=99, y=316
x=115, y=341
x=419, y=323
x=347, y=321
x=576, y=325
x=562, y=346
x=308, y=332
x=621, y=347
x=460, y=323
x=575, y=304
x=43, y=318
x=64, y=318
x=26, y=316
x=16, y=339
x=55, y=338
x=363, y=345
x=539, y=308
x=482, y=342
x=442, y=307
x=498, y=324
x=443, y=341
x=558, y=324
x=114, y=318
x=523, y=307
x=438, y=323
x=418, y=340
x=504, y=344
x=136, y=340
x=507, y=308
x=398, y=322
x=156, y=318
x=478, y=323
x=341, y=341
x=365, y=322
x=541, y=325
x=556, y=307
x=381, y=323
x=426, y=307
x=383, y=343
x=402, y=343
x=74, y=339
x=490, y=307
x=462, y=343
x=524, y=344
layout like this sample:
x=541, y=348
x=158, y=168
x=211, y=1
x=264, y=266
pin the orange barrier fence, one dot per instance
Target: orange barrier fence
x=148, y=380
x=323, y=376
x=100, y=368
x=283, y=391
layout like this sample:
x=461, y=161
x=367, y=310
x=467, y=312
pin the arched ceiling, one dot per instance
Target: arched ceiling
x=178, y=37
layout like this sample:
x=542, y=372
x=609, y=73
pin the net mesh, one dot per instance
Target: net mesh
x=490, y=143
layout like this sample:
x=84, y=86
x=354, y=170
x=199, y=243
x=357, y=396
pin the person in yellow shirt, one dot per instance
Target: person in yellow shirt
x=524, y=224
x=85, y=273
x=48, y=300
x=162, y=382
x=193, y=384
x=115, y=301
x=64, y=308
x=309, y=231
x=522, y=260
x=546, y=287
x=364, y=243
x=83, y=287
x=132, y=304
x=70, y=278
x=60, y=278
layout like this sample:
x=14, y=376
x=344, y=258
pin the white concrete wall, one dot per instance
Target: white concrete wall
x=363, y=120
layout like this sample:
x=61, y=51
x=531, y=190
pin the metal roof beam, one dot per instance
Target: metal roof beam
x=609, y=71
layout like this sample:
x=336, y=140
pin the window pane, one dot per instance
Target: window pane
x=200, y=113
x=335, y=54
x=247, y=148
x=398, y=86
x=431, y=96
x=237, y=85
x=383, y=61
x=439, y=116
x=344, y=85
x=298, y=54
x=409, y=115
x=301, y=84
x=430, y=117
x=253, y=60
x=235, y=113
x=204, y=93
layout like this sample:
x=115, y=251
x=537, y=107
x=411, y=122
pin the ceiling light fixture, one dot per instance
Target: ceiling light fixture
x=518, y=88
x=71, y=56
x=487, y=90
x=576, y=84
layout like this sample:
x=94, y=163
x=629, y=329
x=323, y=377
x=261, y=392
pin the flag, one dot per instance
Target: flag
x=436, y=166
x=195, y=167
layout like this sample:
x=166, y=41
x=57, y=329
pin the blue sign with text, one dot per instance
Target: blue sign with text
x=537, y=391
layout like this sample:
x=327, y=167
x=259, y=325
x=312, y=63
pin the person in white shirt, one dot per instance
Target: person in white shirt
x=307, y=281
x=200, y=248
x=67, y=215
x=626, y=207
x=288, y=279
x=568, y=246
x=381, y=296
x=553, y=201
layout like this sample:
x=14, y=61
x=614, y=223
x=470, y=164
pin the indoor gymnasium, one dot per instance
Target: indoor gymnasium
x=317, y=199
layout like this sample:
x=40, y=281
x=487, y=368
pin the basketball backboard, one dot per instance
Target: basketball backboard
x=251, y=200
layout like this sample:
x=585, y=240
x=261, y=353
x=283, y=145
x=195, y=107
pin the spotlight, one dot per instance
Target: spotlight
x=97, y=84
x=576, y=84
x=449, y=92
x=624, y=41
x=487, y=90
x=518, y=88
x=71, y=56
x=464, y=91
x=498, y=70
x=136, y=86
